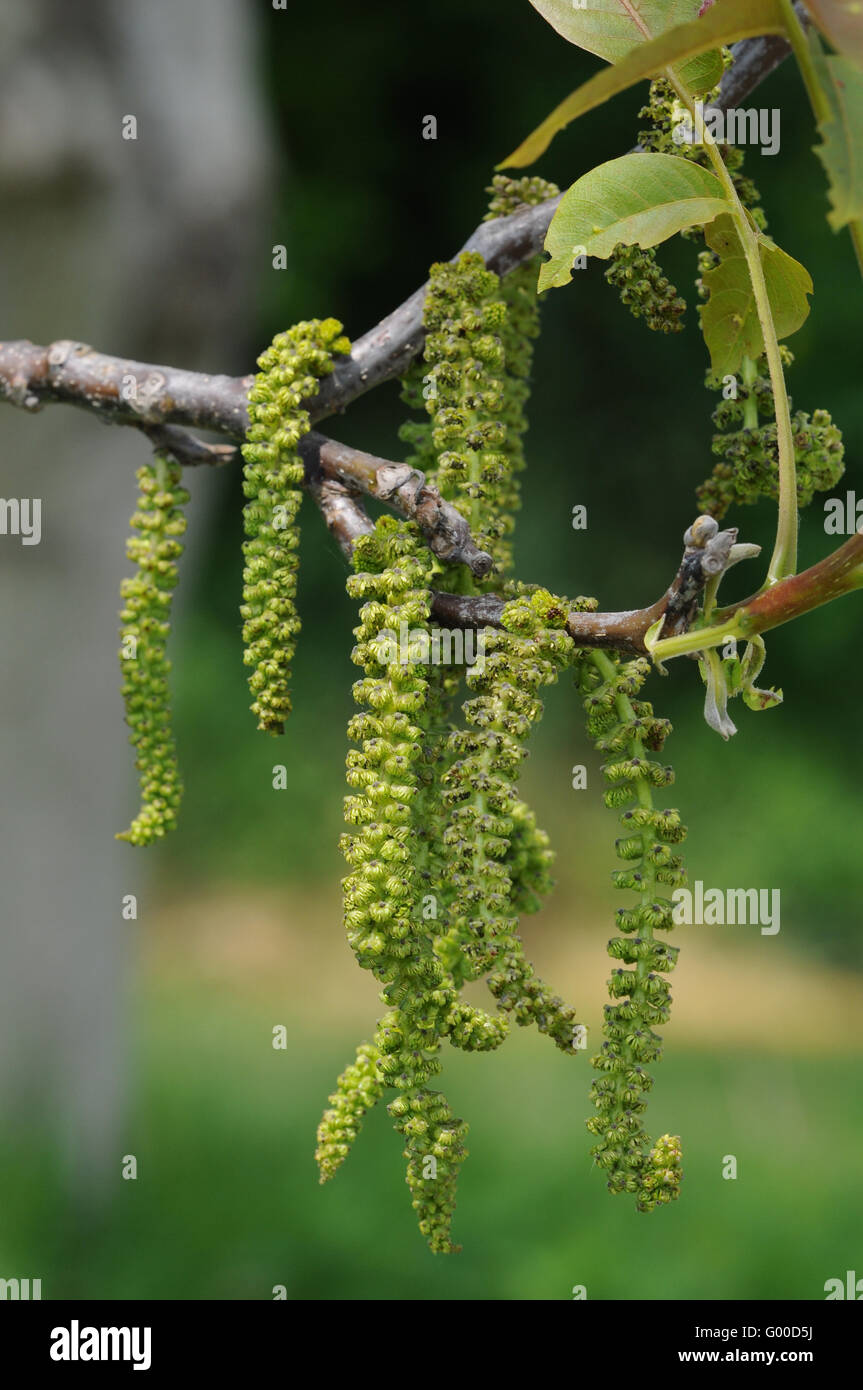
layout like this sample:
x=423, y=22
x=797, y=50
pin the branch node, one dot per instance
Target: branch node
x=392, y=477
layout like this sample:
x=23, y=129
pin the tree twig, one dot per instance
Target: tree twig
x=187, y=449
x=707, y=553
x=403, y=488
x=345, y=516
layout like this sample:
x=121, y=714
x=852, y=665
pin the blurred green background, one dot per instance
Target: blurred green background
x=763, y=1056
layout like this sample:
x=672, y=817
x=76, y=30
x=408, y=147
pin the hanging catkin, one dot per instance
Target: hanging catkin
x=158, y=523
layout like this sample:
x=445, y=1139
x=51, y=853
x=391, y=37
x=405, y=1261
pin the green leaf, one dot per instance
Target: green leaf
x=840, y=20
x=753, y=661
x=611, y=29
x=729, y=319
x=733, y=677
x=841, y=152
x=750, y=668
x=639, y=199
x=725, y=22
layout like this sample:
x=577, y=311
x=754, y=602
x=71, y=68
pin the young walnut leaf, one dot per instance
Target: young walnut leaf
x=638, y=199
x=729, y=319
x=611, y=28
x=761, y=699
x=716, y=695
x=751, y=667
x=724, y=23
x=841, y=151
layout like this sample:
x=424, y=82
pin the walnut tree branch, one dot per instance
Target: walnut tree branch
x=707, y=554
x=405, y=489
x=158, y=400
x=352, y=471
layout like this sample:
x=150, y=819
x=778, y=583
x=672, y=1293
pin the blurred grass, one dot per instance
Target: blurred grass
x=226, y=1203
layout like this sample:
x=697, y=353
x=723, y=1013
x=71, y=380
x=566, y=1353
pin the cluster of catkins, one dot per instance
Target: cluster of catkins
x=289, y=372
x=158, y=524
x=747, y=452
x=444, y=855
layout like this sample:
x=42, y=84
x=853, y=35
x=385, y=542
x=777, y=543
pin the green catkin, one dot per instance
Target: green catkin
x=748, y=455
x=456, y=295
x=647, y=293
x=145, y=616
x=530, y=857
x=289, y=372
x=517, y=334
x=626, y=729
x=636, y=272
x=358, y=1090
x=463, y=391
x=498, y=859
x=496, y=854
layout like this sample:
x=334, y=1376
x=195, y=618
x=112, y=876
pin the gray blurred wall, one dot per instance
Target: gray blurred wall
x=149, y=249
